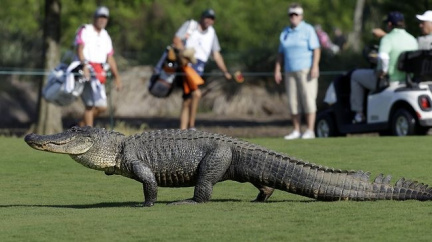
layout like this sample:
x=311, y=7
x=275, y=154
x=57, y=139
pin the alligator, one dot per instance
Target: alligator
x=183, y=158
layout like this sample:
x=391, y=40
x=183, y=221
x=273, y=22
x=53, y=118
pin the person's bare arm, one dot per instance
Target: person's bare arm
x=113, y=66
x=378, y=32
x=277, y=70
x=315, y=63
x=221, y=64
x=178, y=43
x=80, y=54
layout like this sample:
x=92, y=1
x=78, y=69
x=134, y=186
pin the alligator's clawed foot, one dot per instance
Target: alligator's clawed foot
x=187, y=201
x=145, y=204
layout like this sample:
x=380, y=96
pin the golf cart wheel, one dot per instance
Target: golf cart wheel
x=403, y=123
x=325, y=126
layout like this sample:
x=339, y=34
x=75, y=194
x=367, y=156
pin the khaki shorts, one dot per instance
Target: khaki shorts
x=302, y=92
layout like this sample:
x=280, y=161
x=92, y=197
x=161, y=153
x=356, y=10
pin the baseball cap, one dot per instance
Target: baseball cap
x=394, y=17
x=208, y=13
x=427, y=16
x=297, y=10
x=101, y=12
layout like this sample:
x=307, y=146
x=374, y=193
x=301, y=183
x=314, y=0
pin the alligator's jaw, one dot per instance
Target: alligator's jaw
x=64, y=143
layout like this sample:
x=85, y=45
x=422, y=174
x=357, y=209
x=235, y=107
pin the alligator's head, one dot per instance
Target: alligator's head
x=92, y=147
x=74, y=141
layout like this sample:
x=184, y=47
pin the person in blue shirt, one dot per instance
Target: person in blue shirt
x=299, y=52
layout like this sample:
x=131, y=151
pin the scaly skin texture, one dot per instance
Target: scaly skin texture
x=179, y=158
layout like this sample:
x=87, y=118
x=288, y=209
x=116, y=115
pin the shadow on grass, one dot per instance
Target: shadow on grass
x=293, y=201
x=77, y=206
x=132, y=204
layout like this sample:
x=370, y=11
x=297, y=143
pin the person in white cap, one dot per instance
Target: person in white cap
x=299, y=51
x=94, y=49
x=201, y=36
x=425, y=41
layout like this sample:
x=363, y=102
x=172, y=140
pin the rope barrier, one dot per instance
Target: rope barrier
x=246, y=74
x=39, y=72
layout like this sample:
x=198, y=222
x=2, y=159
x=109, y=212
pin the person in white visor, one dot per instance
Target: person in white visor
x=298, y=59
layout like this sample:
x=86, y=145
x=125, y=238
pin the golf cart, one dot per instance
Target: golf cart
x=395, y=108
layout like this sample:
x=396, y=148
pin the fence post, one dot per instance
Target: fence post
x=110, y=108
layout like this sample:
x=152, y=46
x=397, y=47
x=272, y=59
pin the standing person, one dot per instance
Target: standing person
x=94, y=49
x=339, y=39
x=391, y=45
x=425, y=41
x=300, y=52
x=325, y=41
x=201, y=36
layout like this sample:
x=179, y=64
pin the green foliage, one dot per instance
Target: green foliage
x=409, y=9
x=21, y=17
x=248, y=30
x=20, y=24
x=49, y=197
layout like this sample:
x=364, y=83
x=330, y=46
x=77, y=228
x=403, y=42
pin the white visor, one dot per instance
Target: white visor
x=297, y=10
x=427, y=16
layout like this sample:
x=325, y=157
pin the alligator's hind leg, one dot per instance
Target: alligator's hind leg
x=264, y=194
x=211, y=170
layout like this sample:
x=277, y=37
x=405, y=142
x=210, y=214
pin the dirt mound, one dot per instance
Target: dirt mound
x=220, y=97
x=222, y=100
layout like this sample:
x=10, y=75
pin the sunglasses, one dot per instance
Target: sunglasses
x=293, y=14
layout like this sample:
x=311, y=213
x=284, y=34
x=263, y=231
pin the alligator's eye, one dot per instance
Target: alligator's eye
x=74, y=129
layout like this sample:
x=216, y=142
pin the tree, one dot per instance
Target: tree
x=49, y=115
x=354, y=38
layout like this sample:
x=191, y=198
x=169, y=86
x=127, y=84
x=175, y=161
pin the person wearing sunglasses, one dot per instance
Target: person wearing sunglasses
x=299, y=52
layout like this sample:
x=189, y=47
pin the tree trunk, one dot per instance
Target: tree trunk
x=49, y=115
x=354, y=38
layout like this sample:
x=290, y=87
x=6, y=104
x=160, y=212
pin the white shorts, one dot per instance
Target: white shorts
x=94, y=98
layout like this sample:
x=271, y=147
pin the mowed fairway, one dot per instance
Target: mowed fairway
x=50, y=197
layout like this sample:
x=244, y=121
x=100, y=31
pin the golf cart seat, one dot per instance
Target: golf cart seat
x=418, y=66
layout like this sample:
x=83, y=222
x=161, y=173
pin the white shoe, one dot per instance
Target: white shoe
x=358, y=118
x=293, y=135
x=309, y=134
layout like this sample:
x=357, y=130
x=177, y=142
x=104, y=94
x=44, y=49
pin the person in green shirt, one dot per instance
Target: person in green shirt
x=425, y=41
x=391, y=45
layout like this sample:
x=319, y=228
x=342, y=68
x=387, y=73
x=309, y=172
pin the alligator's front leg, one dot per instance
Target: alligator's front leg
x=211, y=170
x=144, y=175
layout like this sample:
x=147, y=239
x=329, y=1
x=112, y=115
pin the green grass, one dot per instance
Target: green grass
x=49, y=197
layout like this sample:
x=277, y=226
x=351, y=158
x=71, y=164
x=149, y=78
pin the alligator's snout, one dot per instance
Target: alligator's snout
x=65, y=143
x=30, y=137
x=34, y=141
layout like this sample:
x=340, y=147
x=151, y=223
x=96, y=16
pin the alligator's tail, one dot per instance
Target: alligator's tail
x=328, y=184
x=269, y=170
